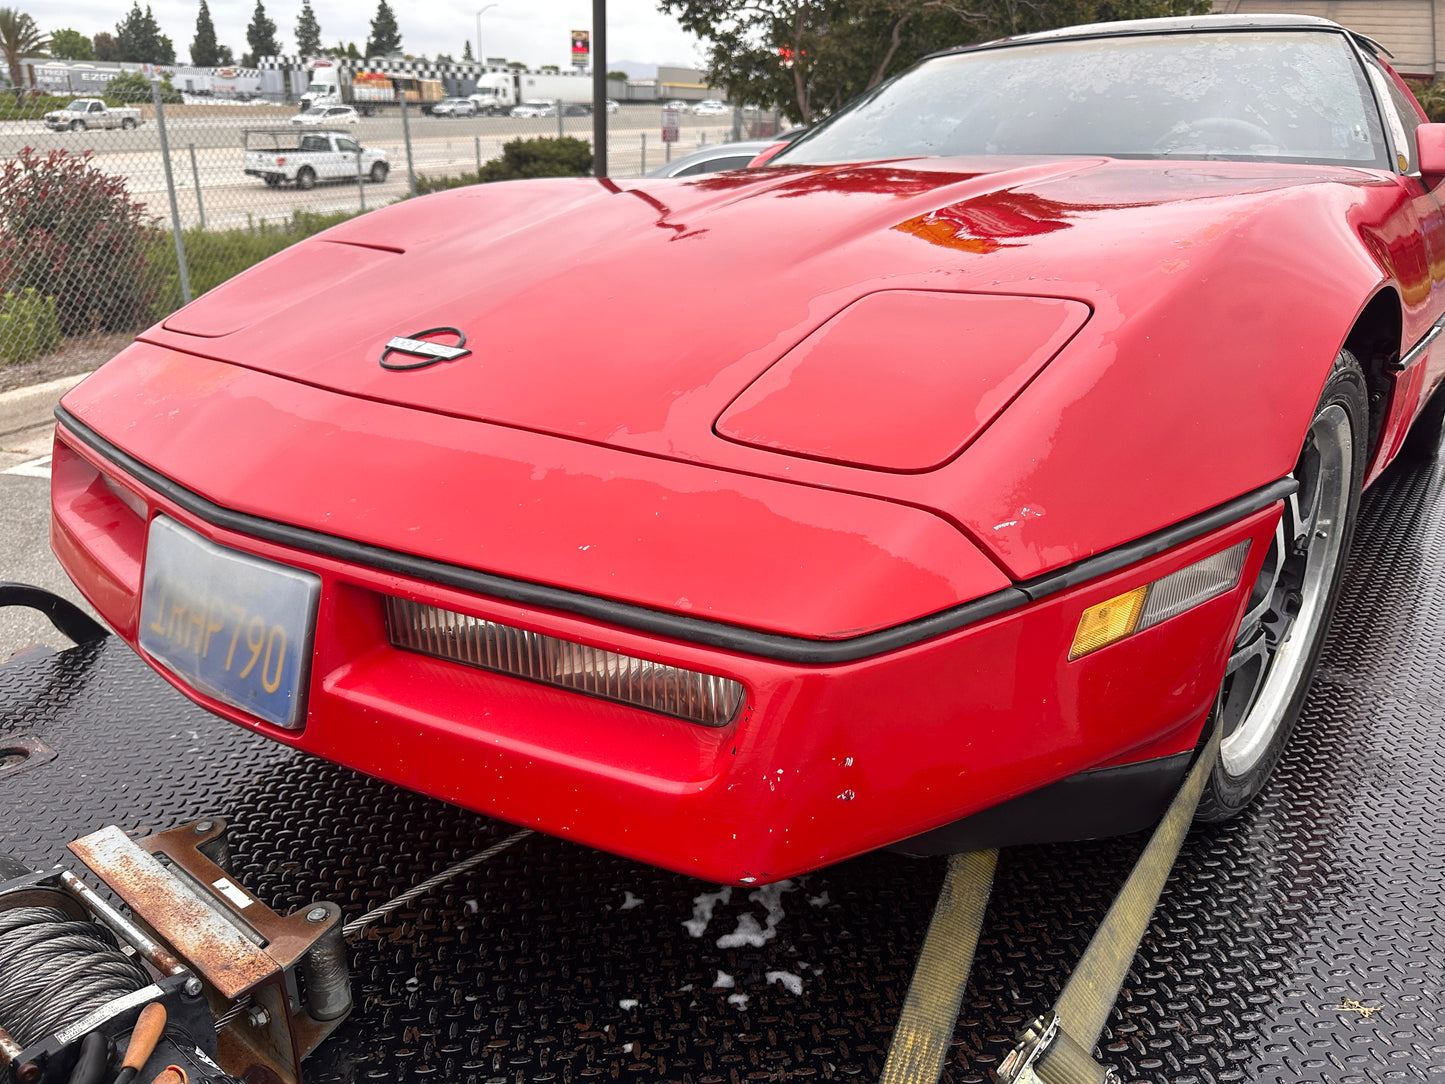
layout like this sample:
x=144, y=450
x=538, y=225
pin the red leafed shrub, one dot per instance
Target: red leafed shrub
x=72, y=232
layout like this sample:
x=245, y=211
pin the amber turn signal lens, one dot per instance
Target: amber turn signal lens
x=1108, y=621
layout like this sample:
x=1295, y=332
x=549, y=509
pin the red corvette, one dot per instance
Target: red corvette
x=1024, y=434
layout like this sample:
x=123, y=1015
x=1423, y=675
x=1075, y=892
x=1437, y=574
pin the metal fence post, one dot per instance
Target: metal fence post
x=560, y=109
x=406, y=134
x=643, y=170
x=737, y=124
x=360, y=181
x=196, y=178
x=171, y=191
x=479, y=157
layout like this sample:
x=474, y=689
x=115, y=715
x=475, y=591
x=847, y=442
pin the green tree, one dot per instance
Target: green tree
x=467, y=57
x=261, y=37
x=811, y=56
x=105, y=46
x=620, y=77
x=549, y=68
x=205, y=52
x=138, y=38
x=19, y=37
x=385, y=37
x=71, y=45
x=308, y=32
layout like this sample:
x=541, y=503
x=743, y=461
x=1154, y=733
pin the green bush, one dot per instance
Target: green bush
x=32, y=107
x=565, y=157
x=74, y=234
x=1432, y=99
x=28, y=326
x=213, y=256
x=132, y=88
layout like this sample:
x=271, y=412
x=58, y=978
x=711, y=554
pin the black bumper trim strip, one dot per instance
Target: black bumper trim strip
x=768, y=645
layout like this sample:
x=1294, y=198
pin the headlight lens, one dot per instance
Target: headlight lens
x=701, y=698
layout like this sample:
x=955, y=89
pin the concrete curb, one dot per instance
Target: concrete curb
x=29, y=408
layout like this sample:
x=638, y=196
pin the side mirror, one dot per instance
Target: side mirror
x=1430, y=150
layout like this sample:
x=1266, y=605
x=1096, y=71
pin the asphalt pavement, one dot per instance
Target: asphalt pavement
x=25, y=555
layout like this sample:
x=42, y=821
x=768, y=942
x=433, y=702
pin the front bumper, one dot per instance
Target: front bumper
x=823, y=762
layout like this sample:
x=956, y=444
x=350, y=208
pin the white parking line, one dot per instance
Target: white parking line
x=31, y=468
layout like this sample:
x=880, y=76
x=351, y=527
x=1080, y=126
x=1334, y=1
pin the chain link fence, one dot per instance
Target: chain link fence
x=110, y=218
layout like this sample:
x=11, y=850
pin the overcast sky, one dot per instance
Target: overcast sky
x=533, y=31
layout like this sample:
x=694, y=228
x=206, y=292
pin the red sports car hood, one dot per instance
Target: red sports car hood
x=634, y=313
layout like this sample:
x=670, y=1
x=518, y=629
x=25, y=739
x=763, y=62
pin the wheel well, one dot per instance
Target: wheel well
x=1375, y=342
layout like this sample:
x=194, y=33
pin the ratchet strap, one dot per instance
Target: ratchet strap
x=930, y=1009
x=1056, y=1048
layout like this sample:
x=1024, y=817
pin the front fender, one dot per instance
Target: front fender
x=1194, y=382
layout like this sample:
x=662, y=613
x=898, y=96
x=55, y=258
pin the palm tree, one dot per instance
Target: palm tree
x=19, y=37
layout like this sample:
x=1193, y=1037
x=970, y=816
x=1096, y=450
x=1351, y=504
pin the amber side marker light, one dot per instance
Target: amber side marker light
x=1144, y=607
x=706, y=699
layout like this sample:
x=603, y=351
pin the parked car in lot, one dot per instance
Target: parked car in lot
x=278, y=156
x=86, y=113
x=1017, y=449
x=327, y=115
x=710, y=107
x=612, y=106
x=455, y=107
x=535, y=107
x=678, y=104
x=714, y=159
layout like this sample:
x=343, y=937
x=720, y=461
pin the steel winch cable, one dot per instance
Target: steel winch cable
x=358, y=925
x=55, y=970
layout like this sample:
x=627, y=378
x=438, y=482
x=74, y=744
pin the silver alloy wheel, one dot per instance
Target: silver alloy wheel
x=1291, y=597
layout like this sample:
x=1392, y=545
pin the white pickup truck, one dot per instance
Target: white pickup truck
x=84, y=113
x=281, y=154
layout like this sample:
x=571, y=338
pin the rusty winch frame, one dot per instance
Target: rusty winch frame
x=251, y=991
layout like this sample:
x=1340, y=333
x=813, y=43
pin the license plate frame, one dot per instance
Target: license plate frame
x=236, y=627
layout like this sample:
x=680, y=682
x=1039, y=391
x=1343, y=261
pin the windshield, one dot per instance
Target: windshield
x=317, y=88
x=315, y=111
x=1274, y=96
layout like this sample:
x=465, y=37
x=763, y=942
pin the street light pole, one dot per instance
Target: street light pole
x=599, y=88
x=479, y=35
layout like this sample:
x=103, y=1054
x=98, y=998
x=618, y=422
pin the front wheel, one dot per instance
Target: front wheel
x=127, y=124
x=1279, y=640
x=378, y=172
x=77, y=126
x=306, y=177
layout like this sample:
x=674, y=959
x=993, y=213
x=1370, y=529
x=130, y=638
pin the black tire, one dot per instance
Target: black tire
x=1423, y=442
x=127, y=124
x=77, y=126
x=1278, y=643
x=272, y=180
x=378, y=172
x=305, y=177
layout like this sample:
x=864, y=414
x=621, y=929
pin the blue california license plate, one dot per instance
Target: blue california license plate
x=231, y=625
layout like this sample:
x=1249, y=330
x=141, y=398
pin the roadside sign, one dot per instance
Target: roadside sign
x=581, y=47
x=669, y=125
